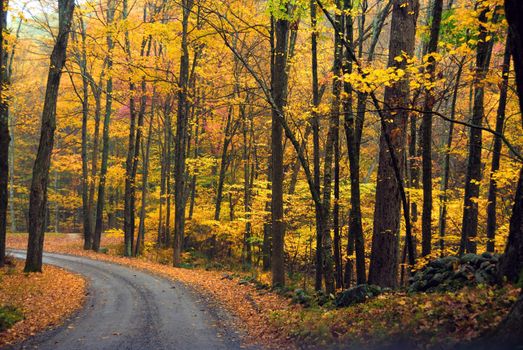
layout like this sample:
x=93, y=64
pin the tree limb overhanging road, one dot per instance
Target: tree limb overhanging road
x=131, y=309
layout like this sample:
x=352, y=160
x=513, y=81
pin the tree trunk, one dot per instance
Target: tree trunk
x=353, y=131
x=40, y=179
x=496, y=150
x=316, y=144
x=85, y=162
x=145, y=175
x=279, y=95
x=181, y=138
x=385, y=240
x=473, y=175
x=5, y=139
x=446, y=163
x=332, y=135
x=224, y=163
x=97, y=94
x=426, y=219
x=508, y=334
x=105, y=132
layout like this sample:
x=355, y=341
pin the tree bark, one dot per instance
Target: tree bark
x=82, y=61
x=5, y=138
x=385, y=240
x=446, y=163
x=40, y=179
x=181, y=138
x=105, y=132
x=496, y=150
x=426, y=155
x=279, y=95
x=353, y=131
x=473, y=175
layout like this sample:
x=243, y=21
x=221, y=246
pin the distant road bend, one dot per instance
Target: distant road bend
x=131, y=309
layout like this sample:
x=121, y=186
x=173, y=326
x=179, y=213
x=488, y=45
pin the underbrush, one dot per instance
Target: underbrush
x=9, y=315
x=414, y=320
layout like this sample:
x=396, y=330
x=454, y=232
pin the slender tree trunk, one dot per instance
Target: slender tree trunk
x=224, y=163
x=496, y=151
x=5, y=139
x=85, y=161
x=385, y=240
x=332, y=135
x=426, y=219
x=12, y=129
x=316, y=144
x=105, y=133
x=181, y=137
x=145, y=178
x=446, y=164
x=353, y=131
x=473, y=175
x=247, y=185
x=38, y=193
x=97, y=94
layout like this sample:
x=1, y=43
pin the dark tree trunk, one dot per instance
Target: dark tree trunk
x=473, y=175
x=105, y=133
x=145, y=178
x=353, y=131
x=279, y=95
x=385, y=240
x=82, y=61
x=332, y=135
x=5, y=139
x=316, y=143
x=508, y=334
x=38, y=193
x=181, y=138
x=248, y=178
x=224, y=163
x=97, y=94
x=446, y=163
x=496, y=150
x=426, y=144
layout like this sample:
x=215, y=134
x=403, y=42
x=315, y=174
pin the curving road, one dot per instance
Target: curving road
x=131, y=309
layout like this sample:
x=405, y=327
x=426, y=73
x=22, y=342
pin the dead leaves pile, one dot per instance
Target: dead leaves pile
x=45, y=299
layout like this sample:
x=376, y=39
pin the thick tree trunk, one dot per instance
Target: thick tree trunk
x=426, y=144
x=385, y=240
x=279, y=95
x=38, y=193
x=5, y=139
x=473, y=175
x=508, y=334
x=496, y=150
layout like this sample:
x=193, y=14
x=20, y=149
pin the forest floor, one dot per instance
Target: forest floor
x=35, y=302
x=271, y=320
